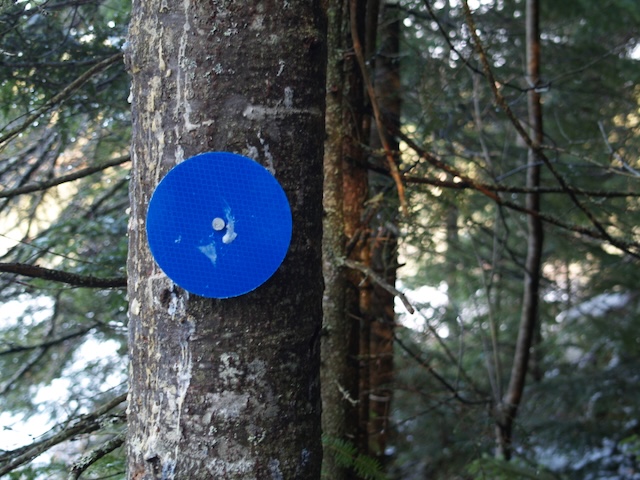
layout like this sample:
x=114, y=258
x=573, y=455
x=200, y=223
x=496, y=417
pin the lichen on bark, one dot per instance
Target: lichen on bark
x=227, y=388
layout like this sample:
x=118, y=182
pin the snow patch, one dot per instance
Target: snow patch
x=597, y=306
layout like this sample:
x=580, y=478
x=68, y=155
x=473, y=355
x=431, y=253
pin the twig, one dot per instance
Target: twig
x=488, y=191
x=346, y=396
x=38, y=186
x=59, y=97
x=84, y=424
x=379, y=280
x=615, y=154
x=452, y=358
x=24, y=368
x=377, y=115
x=93, y=456
x=33, y=359
x=437, y=376
x=537, y=149
x=73, y=279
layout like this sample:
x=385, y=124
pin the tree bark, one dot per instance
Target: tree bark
x=384, y=229
x=339, y=370
x=227, y=388
x=356, y=191
x=529, y=316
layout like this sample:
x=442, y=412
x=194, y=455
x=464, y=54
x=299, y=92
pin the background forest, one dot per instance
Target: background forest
x=475, y=160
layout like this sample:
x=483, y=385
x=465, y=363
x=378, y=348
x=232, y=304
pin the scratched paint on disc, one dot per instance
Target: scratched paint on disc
x=219, y=225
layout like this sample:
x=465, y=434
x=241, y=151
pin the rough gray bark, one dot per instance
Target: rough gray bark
x=227, y=388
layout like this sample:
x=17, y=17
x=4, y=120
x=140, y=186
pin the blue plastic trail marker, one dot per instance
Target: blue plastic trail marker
x=219, y=225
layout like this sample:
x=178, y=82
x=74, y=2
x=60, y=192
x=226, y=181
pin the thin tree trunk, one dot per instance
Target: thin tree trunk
x=339, y=371
x=356, y=192
x=529, y=317
x=227, y=388
x=384, y=241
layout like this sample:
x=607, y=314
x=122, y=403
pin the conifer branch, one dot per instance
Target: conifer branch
x=632, y=248
x=346, y=455
x=60, y=96
x=537, y=149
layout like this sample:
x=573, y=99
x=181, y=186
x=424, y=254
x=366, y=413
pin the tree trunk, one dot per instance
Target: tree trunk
x=227, y=388
x=356, y=191
x=529, y=316
x=384, y=224
x=339, y=371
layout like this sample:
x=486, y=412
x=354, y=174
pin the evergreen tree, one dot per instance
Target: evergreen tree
x=64, y=142
x=466, y=152
x=463, y=162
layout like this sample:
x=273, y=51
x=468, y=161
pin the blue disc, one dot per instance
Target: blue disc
x=219, y=225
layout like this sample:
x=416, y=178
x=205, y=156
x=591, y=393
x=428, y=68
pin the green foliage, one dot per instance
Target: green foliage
x=62, y=349
x=489, y=468
x=347, y=456
x=632, y=443
x=53, y=470
x=47, y=44
x=457, y=361
x=111, y=466
x=579, y=416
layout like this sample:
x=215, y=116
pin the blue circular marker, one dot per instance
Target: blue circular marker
x=219, y=225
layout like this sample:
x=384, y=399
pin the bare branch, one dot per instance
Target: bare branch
x=514, y=189
x=436, y=375
x=61, y=96
x=93, y=456
x=632, y=248
x=379, y=280
x=537, y=149
x=377, y=115
x=47, y=343
x=39, y=186
x=84, y=424
x=74, y=279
